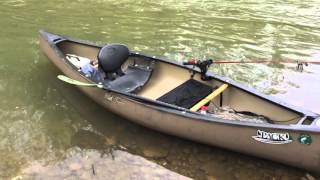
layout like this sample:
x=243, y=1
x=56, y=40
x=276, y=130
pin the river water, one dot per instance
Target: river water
x=50, y=130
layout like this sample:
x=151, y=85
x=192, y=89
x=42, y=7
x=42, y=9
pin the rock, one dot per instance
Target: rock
x=35, y=168
x=195, y=150
x=153, y=152
x=75, y=166
x=208, y=167
x=310, y=177
x=87, y=140
x=187, y=150
x=230, y=169
x=192, y=160
x=285, y=177
x=122, y=147
x=17, y=178
x=204, y=157
x=211, y=178
x=110, y=141
x=86, y=175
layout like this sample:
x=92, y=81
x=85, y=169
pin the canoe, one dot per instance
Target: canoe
x=185, y=100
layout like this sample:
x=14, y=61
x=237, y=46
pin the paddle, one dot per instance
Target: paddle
x=78, y=83
x=132, y=96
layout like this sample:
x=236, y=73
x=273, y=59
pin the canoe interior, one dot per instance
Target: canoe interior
x=166, y=77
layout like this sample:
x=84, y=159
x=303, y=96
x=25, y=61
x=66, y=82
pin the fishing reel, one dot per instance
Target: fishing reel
x=202, y=65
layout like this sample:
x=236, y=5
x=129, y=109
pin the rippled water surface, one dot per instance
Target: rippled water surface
x=49, y=129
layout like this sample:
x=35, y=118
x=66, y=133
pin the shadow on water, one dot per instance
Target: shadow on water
x=104, y=134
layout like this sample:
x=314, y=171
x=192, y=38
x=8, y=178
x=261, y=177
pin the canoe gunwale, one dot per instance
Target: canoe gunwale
x=168, y=108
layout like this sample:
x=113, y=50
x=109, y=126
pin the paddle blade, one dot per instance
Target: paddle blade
x=74, y=82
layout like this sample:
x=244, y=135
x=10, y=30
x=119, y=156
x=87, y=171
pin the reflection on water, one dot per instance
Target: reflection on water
x=44, y=122
x=302, y=88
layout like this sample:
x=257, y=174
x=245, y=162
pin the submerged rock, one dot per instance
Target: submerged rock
x=211, y=178
x=310, y=177
x=204, y=157
x=110, y=141
x=153, y=152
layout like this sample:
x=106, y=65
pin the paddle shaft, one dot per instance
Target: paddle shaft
x=78, y=83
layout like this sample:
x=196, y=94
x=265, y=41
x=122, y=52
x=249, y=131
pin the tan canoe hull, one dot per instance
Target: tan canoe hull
x=234, y=137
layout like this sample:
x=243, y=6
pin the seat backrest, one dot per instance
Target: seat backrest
x=112, y=56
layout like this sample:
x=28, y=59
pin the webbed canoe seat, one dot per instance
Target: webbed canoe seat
x=111, y=58
x=209, y=98
x=187, y=94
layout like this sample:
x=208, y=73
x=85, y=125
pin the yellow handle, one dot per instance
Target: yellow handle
x=209, y=98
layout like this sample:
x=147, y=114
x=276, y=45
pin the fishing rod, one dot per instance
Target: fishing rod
x=252, y=62
x=199, y=63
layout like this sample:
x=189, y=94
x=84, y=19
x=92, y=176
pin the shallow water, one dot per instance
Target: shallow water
x=47, y=126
